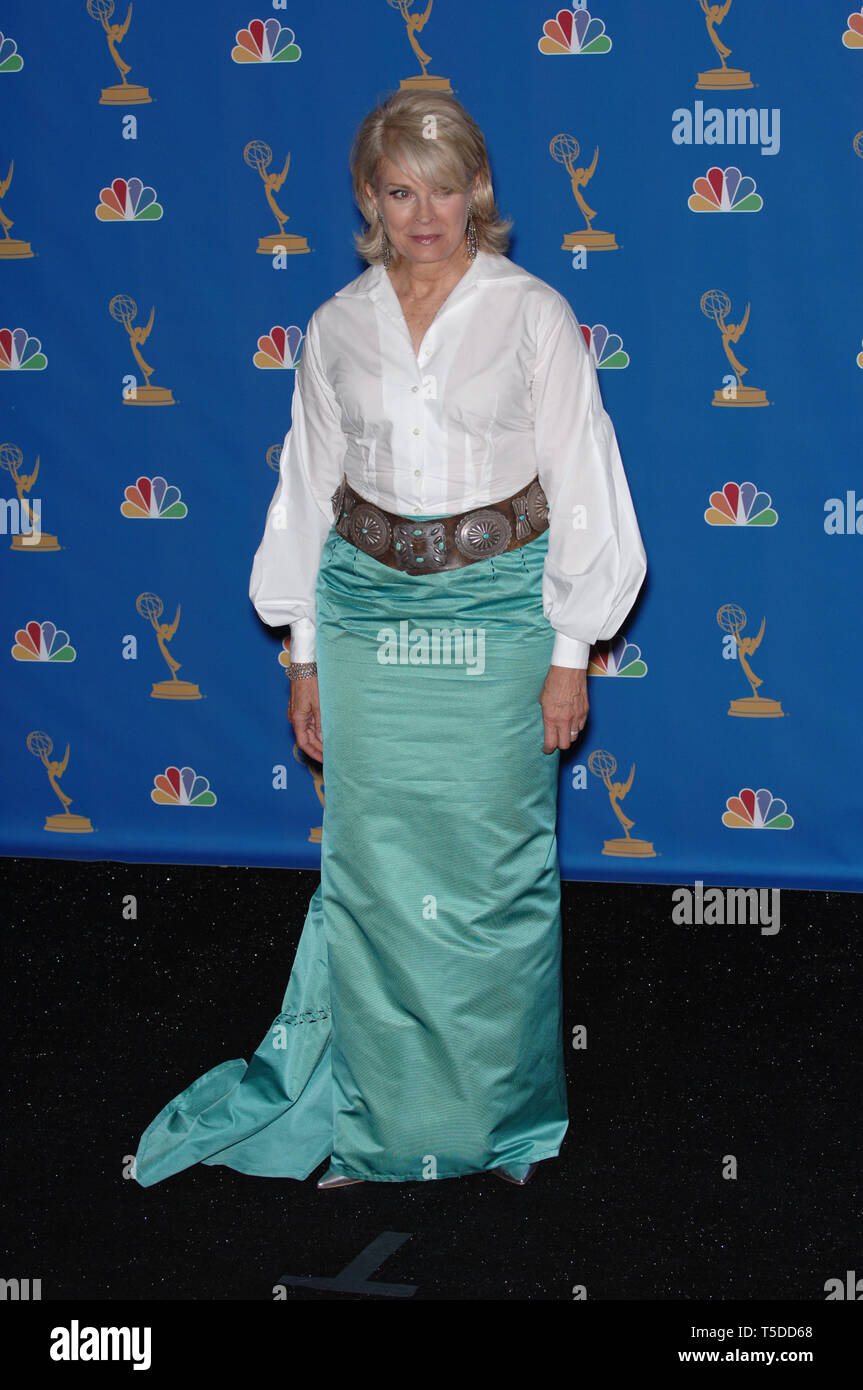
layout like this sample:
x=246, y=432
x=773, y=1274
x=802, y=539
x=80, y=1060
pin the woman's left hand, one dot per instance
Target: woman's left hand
x=564, y=706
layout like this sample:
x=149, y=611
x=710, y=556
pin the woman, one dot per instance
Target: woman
x=451, y=530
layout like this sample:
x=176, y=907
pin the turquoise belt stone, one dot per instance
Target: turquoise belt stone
x=441, y=543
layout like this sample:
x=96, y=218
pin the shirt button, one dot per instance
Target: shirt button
x=415, y=388
x=416, y=430
x=417, y=473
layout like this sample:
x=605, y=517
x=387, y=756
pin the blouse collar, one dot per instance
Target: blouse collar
x=375, y=283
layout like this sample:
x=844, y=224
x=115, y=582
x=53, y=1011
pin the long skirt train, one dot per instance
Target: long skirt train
x=420, y=1035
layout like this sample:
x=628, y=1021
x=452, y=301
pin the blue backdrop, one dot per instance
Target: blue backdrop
x=718, y=291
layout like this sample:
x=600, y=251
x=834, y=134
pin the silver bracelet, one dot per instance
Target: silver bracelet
x=298, y=670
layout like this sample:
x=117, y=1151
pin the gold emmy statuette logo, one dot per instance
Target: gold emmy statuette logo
x=716, y=305
x=732, y=618
x=41, y=746
x=11, y=459
x=259, y=156
x=124, y=310
x=125, y=93
x=151, y=606
x=565, y=149
x=11, y=249
x=415, y=23
x=723, y=79
x=604, y=765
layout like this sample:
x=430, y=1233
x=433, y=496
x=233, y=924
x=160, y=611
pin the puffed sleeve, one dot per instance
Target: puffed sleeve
x=596, y=561
x=285, y=567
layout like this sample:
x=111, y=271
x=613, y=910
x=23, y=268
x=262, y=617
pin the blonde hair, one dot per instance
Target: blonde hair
x=399, y=129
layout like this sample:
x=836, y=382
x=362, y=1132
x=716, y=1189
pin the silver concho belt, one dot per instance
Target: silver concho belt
x=446, y=542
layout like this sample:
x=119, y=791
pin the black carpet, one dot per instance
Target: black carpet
x=704, y=1043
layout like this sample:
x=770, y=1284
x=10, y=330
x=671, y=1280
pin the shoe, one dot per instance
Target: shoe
x=519, y=1173
x=331, y=1179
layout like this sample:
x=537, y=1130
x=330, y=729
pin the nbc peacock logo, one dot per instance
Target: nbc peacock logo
x=620, y=659
x=265, y=41
x=182, y=786
x=10, y=58
x=279, y=349
x=756, y=810
x=573, y=33
x=852, y=38
x=128, y=200
x=152, y=499
x=724, y=190
x=741, y=504
x=606, y=348
x=42, y=642
x=20, y=352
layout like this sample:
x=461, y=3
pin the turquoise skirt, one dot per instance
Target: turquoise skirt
x=420, y=1035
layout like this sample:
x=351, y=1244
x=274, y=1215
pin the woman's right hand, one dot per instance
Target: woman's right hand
x=304, y=712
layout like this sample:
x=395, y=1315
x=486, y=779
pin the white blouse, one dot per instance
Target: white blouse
x=504, y=388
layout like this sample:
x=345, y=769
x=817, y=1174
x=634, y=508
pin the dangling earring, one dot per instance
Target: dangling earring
x=386, y=243
x=471, y=234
